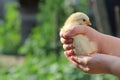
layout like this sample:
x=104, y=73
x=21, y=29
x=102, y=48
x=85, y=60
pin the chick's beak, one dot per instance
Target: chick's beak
x=88, y=22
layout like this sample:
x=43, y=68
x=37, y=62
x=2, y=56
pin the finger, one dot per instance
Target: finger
x=80, y=59
x=84, y=68
x=80, y=66
x=76, y=61
x=62, y=34
x=68, y=46
x=69, y=53
x=66, y=41
x=78, y=29
x=76, y=64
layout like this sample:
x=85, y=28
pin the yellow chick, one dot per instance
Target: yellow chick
x=82, y=44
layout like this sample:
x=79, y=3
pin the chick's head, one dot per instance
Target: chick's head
x=78, y=18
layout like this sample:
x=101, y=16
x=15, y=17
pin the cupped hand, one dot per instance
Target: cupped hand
x=95, y=64
x=106, y=44
x=67, y=40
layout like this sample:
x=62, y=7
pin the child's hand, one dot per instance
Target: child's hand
x=106, y=44
x=94, y=64
x=67, y=41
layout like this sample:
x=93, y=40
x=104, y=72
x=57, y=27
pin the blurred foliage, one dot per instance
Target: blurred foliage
x=75, y=5
x=42, y=38
x=9, y=30
x=41, y=63
x=48, y=68
x=43, y=69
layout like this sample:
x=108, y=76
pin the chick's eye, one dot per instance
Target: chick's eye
x=83, y=19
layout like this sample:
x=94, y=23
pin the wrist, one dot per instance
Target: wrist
x=102, y=40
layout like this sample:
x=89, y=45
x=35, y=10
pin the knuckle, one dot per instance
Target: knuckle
x=65, y=46
x=68, y=46
x=62, y=40
x=66, y=41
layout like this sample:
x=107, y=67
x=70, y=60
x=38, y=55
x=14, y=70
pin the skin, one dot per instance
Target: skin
x=105, y=61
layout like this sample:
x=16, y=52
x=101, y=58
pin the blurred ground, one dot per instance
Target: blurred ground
x=11, y=60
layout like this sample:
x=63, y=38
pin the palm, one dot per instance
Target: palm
x=95, y=63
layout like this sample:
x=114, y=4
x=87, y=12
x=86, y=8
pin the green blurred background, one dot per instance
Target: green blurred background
x=29, y=37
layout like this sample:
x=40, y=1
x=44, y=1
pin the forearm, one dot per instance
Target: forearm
x=114, y=65
x=110, y=45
